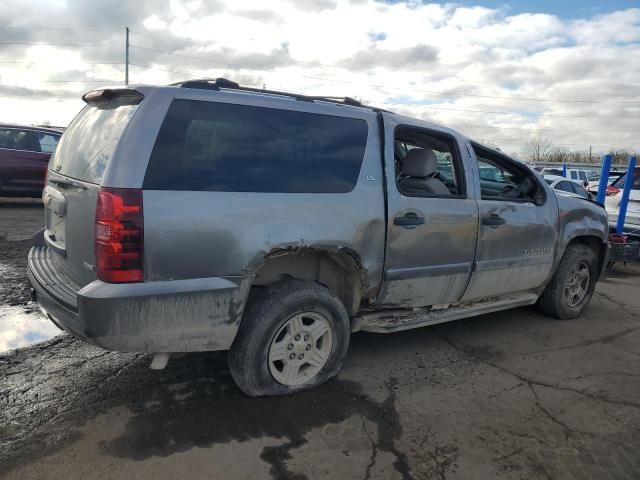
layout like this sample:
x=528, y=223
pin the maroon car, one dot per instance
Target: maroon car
x=24, y=155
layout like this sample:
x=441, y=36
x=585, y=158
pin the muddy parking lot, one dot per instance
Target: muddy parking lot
x=512, y=395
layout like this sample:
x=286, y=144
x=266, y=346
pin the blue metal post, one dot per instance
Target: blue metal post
x=628, y=182
x=604, y=178
x=564, y=170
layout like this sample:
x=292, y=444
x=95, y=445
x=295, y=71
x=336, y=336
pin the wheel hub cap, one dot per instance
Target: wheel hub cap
x=300, y=348
x=577, y=284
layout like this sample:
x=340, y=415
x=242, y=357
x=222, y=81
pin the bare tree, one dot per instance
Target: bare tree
x=538, y=149
x=620, y=155
x=578, y=156
x=558, y=155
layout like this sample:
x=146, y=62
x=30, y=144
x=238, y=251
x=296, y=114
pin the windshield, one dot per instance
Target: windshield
x=87, y=145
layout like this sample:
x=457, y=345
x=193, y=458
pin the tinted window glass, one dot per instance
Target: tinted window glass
x=565, y=187
x=46, y=141
x=236, y=148
x=87, y=145
x=16, y=139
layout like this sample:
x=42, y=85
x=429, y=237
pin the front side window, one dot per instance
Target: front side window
x=15, y=139
x=211, y=146
x=502, y=178
x=427, y=164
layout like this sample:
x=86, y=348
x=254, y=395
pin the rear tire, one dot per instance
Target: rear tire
x=572, y=285
x=293, y=336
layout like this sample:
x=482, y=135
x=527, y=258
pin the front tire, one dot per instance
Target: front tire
x=572, y=285
x=293, y=336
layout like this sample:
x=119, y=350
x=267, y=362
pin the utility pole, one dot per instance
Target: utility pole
x=589, y=153
x=126, y=56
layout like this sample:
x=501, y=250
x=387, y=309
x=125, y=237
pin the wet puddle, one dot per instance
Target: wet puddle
x=23, y=326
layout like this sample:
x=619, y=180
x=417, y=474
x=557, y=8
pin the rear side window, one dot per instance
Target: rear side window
x=209, y=146
x=87, y=145
x=565, y=187
x=46, y=142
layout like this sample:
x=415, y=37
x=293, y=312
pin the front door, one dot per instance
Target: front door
x=517, y=228
x=432, y=217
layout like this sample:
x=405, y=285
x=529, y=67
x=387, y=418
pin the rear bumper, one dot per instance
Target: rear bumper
x=170, y=316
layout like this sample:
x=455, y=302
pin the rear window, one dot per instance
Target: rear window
x=87, y=145
x=209, y=146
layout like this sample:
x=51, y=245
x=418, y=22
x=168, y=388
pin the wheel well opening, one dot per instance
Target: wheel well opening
x=337, y=271
x=595, y=244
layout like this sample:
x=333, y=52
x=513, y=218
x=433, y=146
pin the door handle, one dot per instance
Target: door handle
x=493, y=220
x=409, y=220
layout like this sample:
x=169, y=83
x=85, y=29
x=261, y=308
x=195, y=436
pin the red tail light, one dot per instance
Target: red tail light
x=119, y=235
x=611, y=190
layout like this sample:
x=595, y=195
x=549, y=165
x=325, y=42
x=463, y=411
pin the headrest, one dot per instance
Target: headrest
x=420, y=162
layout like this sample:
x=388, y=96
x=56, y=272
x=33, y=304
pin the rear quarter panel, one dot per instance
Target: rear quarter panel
x=196, y=234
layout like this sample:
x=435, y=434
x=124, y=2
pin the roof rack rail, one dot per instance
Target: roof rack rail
x=223, y=83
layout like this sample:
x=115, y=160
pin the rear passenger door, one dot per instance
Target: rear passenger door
x=431, y=236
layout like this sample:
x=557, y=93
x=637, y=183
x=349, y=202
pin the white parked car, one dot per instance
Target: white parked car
x=562, y=184
x=614, y=196
x=580, y=175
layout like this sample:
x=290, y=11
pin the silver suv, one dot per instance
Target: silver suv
x=209, y=216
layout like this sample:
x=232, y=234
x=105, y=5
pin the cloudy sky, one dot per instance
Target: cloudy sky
x=501, y=72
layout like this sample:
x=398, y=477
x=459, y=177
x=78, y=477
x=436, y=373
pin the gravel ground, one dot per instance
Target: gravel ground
x=511, y=395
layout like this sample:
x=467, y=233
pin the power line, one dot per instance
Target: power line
x=497, y=112
x=154, y=67
x=433, y=108
x=57, y=44
x=195, y=58
x=585, y=144
x=536, y=129
x=79, y=81
x=79, y=28
x=433, y=92
x=84, y=63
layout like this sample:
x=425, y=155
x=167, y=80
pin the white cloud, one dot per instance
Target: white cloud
x=392, y=54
